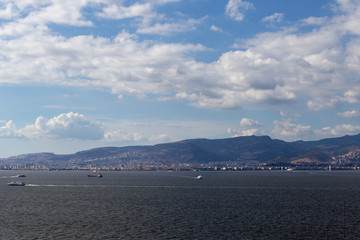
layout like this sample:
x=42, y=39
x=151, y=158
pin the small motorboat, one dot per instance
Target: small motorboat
x=199, y=177
x=21, y=175
x=16, y=184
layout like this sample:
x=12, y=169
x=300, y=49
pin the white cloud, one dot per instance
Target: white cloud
x=352, y=96
x=235, y=78
x=51, y=11
x=315, y=21
x=323, y=103
x=118, y=11
x=65, y=126
x=290, y=115
x=7, y=11
x=275, y=18
x=250, y=132
x=338, y=131
x=120, y=135
x=288, y=130
x=141, y=9
x=8, y=130
x=275, y=68
x=61, y=12
x=149, y=21
x=316, y=60
x=248, y=127
x=169, y=28
x=246, y=132
x=215, y=28
x=236, y=8
x=134, y=137
x=350, y=114
x=247, y=122
x=23, y=5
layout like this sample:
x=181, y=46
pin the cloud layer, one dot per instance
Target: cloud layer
x=276, y=67
x=313, y=62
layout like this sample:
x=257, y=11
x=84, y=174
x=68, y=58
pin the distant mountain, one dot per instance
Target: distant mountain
x=236, y=151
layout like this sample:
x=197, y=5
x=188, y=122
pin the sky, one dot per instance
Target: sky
x=82, y=74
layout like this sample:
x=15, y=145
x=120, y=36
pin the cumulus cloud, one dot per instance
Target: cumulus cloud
x=319, y=104
x=247, y=122
x=118, y=11
x=352, y=95
x=215, y=28
x=338, y=130
x=248, y=127
x=149, y=21
x=65, y=126
x=350, y=114
x=288, y=130
x=246, y=132
x=236, y=8
x=320, y=67
x=250, y=132
x=7, y=11
x=8, y=130
x=43, y=12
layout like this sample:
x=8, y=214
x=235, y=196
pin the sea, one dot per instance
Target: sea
x=177, y=205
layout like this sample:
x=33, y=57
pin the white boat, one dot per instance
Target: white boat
x=21, y=175
x=16, y=184
x=199, y=177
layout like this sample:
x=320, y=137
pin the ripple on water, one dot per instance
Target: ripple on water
x=169, y=206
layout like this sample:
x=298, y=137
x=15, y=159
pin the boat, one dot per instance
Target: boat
x=16, y=184
x=21, y=175
x=97, y=175
x=199, y=177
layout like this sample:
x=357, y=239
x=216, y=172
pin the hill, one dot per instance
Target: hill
x=239, y=151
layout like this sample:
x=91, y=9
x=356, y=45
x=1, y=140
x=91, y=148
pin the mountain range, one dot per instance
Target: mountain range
x=234, y=151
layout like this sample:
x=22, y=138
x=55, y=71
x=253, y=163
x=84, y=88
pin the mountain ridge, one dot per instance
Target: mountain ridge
x=238, y=151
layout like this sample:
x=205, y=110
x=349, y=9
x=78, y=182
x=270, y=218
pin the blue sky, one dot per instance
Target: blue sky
x=82, y=74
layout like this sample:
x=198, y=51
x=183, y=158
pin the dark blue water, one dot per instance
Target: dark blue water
x=174, y=205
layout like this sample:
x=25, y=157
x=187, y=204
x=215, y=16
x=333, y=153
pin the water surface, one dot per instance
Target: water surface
x=175, y=205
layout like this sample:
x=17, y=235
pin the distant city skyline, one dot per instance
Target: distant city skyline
x=76, y=75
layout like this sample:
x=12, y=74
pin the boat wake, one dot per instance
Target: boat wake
x=51, y=185
x=32, y=185
x=66, y=185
